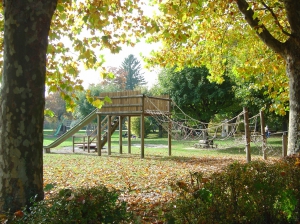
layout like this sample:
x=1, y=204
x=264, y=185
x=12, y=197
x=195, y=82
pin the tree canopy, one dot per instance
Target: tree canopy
x=84, y=104
x=216, y=34
x=195, y=94
x=57, y=105
x=251, y=38
x=134, y=75
x=128, y=75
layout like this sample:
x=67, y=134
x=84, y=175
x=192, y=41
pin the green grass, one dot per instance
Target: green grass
x=159, y=146
x=143, y=183
x=49, y=138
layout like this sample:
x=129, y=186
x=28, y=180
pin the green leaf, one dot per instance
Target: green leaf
x=107, y=99
x=49, y=113
x=255, y=15
x=60, y=8
x=85, y=18
x=49, y=187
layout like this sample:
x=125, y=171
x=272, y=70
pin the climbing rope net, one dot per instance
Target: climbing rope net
x=222, y=135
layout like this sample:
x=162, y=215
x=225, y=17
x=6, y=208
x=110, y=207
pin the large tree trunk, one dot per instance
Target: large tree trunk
x=290, y=51
x=293, y=72
x=26, y=28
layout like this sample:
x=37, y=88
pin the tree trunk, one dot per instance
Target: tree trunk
x=293, y=72
x=290, y=51
x=26, y=28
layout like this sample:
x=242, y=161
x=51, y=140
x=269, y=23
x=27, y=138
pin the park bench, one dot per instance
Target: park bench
x=206, y=143
x=126, y=135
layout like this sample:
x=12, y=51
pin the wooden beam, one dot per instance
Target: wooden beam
x=262, y=131
x=247, y=135
x=120, y=135
x=129, y=134
x=120, y=105
x=108, y=134
x=142, y=131
x=99, y=134
x=170, y=132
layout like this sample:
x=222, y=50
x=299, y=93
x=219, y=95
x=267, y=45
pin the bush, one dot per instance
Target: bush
x=136, y=126
x=93, y=205
x=244, y=193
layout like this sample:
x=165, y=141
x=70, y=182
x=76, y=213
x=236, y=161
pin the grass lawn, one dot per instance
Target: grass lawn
x=143, y=183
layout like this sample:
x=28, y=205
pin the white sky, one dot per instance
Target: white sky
x=115, y=60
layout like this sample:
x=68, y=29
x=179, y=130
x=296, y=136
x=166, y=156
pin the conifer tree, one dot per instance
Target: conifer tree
x=134, y=75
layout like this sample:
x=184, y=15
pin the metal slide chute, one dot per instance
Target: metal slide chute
x=85, y=121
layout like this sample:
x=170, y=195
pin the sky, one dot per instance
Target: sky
x=115, y=60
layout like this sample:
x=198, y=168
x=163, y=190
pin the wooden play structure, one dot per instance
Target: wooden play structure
x=129, y=104
x=126, y=104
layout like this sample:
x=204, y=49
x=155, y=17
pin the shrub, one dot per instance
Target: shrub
x=256, y=192
x=93, y=205
x=136, y=126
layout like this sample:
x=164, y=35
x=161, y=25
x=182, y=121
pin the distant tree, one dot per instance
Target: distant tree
x=55, y=103
x=195, y=94
x=156, y=89
x=56, y=106
x=84, y=107
x=119, y=77
x=136, y=126
x=255, y=99
x=263, y=35
x=134, y=75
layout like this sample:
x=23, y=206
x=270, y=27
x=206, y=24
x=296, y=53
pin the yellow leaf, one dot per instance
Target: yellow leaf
x=260, y=30
x=97, y=103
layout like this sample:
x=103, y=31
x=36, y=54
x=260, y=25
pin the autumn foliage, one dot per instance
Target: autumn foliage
x=93, y=205
x=256, y=192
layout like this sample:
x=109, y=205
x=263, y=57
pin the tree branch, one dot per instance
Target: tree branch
x=260, y=29
x=275, y=17
x=292, y=9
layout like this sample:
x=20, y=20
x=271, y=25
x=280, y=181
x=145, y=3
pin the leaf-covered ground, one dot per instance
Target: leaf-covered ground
x=143, y=183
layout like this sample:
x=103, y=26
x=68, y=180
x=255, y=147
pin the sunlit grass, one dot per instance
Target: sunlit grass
x=143, y=183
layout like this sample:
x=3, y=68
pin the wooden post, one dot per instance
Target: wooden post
x=120, y=135
x=88, y=143
x=284, y=144
x=108, y=135
x=129, y=134
x=99, y=134
x=83, y=144
x=170, y=138
x=262, y=131
x=73, y=140
x=170, y=131
x=247, y=135
x=142, y=131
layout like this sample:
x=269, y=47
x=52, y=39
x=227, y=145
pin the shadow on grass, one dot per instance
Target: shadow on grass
x=184, y=151
x=148, y=157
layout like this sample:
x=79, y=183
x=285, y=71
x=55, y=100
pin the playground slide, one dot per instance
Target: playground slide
x=58, y=129
x=85, y=121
